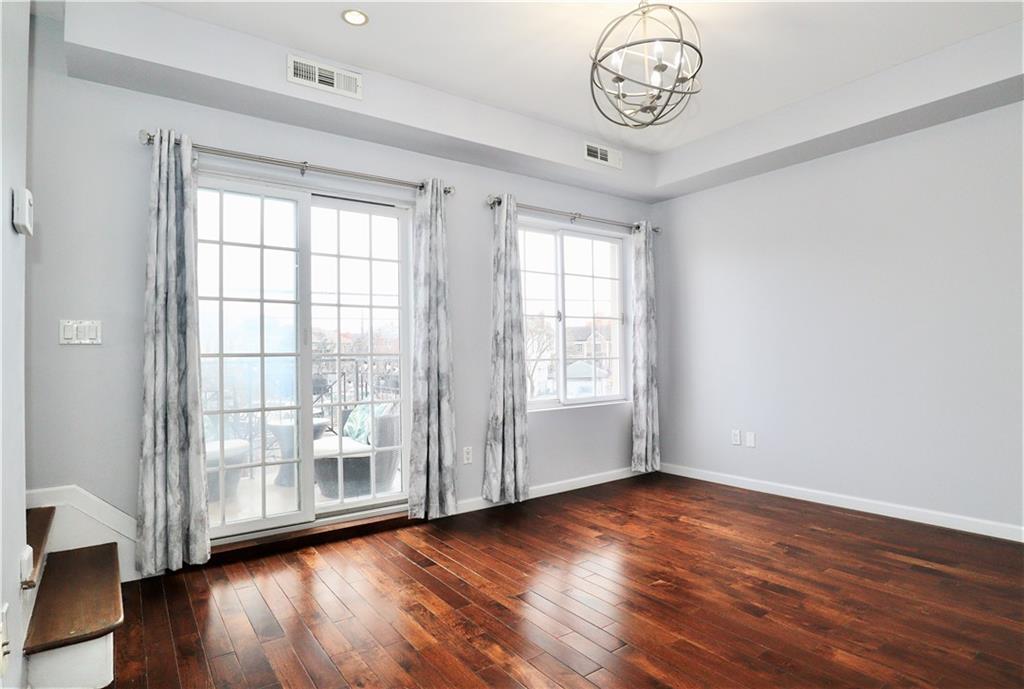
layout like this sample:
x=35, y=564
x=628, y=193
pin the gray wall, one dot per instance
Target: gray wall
x=90, y=177
x=14, y=25
x=862, y=314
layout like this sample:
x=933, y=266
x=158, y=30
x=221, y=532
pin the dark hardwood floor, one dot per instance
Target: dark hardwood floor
x=647, y=583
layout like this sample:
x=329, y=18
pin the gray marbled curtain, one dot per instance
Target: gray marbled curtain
x=505, y=462
x=646, y=450
x=173, y=523
x=432, y=453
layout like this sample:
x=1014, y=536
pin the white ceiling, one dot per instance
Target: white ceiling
x=532, y=58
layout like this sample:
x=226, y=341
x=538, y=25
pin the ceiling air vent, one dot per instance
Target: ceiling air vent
x=325, y=77
x=603, y=155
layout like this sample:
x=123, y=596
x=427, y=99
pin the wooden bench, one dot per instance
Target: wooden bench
x=70, y=635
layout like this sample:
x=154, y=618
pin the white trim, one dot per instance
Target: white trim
x=86, y=664
x=581, y=405
x=539, y=491
x=85, y=502
x=985, y=527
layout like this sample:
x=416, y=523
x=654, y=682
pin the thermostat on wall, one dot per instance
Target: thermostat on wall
x=23, y=211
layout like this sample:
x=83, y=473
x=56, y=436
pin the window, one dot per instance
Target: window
x=572, y=308
x=296, y=426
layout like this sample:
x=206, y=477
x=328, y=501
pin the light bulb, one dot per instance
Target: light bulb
x=617, y=58
x=659, y=50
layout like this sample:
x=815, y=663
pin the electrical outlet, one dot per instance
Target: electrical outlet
x=467, y=455
x=749, y=439
x=736, y=436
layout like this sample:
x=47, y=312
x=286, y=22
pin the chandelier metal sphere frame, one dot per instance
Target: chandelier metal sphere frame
x=644, y=68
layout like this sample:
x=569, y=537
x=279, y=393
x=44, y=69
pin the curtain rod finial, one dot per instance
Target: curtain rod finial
x=145, y=138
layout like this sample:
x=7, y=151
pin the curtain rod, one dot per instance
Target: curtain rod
x=146, y=138
x=493, y=201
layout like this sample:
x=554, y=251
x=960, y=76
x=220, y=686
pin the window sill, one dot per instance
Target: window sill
x=584, y=405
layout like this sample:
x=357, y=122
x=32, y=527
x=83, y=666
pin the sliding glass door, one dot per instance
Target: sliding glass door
x=303, y=330
x=359, y=369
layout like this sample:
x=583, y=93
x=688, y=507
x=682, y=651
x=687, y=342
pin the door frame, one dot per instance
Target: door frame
x=229, y=177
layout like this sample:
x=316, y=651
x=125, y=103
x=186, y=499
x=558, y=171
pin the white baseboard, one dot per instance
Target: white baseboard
x=474, y=504
x=82, y=519
x=985, y=527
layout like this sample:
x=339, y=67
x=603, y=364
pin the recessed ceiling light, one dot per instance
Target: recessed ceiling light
x=355, y=17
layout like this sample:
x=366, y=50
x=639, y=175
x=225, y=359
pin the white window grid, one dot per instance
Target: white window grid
x=563, y=358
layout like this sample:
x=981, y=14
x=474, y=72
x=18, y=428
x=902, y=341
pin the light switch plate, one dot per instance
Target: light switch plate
x=749, y=439
x=80, y=332
x=467, y=455
x=736, y=437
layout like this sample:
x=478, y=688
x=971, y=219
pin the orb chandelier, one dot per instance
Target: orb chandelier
x=644, y=68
